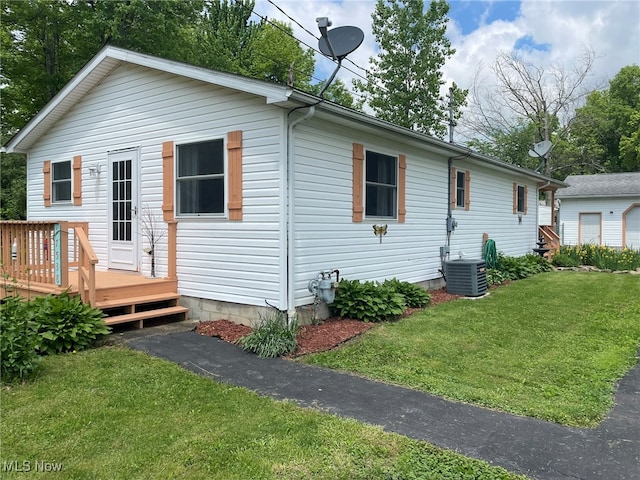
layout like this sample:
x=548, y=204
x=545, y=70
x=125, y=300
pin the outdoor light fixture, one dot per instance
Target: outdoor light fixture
x=95, y=169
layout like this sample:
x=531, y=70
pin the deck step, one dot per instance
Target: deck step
x=121, y=302
x=140, y=316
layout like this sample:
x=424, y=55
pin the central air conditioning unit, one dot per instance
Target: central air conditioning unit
x=466, y=277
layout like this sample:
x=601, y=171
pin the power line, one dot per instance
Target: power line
x=293, y=19
x=266, y=19
x=311, y=34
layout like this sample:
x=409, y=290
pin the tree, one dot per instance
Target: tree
x=337, y=93
x=37, y=55
x=277, y=56
x=45, y=42
x=225, y=36
x=403, y=85
x=13, y=187
x=608, y=125
x=527, y=95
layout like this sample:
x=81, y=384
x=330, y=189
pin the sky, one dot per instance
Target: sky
x=544, y=32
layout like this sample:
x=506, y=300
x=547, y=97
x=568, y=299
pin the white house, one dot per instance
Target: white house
x=263, y=186
x=601, y=209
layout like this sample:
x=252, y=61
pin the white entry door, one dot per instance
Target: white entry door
x=590, y=228
x=123, y=210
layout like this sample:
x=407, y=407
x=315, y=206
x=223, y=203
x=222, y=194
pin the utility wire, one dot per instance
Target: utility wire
x=266, y=19
x=293, y=20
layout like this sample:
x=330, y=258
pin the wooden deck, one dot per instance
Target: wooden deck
x=50, y=257
x=123, y=297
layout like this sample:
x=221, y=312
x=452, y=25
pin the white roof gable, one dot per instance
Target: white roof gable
x=104, y=63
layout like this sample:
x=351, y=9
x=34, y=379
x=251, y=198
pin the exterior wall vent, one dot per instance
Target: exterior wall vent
x=466, y=277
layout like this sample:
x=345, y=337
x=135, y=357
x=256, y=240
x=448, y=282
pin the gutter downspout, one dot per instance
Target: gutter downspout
x=538, y=208
x=291, y=176
x=449, y=187
x=449, y=223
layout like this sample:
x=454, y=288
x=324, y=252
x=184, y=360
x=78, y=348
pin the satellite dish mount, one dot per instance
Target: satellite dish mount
x=337, y=44
x=540, y=150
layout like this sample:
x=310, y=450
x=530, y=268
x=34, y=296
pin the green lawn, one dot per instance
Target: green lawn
x=551, y=346
x=112, y=413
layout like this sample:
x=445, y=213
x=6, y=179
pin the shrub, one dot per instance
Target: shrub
x=63, y=323
x=496, y=277
x=603, y=257
x=414, y=295
x=516, y=268
x=561, y=259
x=18, y=340
x=367, y=301
x=272, y=337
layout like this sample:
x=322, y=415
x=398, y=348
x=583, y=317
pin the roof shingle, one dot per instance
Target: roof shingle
x=601, y=185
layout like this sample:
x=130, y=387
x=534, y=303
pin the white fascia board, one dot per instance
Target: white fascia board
x=272, y=92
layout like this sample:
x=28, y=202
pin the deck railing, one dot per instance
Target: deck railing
x=551, y=237
x=87, y=260
x=42, y=251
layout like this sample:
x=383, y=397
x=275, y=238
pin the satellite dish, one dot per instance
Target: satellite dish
x=341, y=41
x=540, y=149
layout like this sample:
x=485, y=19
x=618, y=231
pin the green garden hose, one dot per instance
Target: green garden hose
x=490, y=254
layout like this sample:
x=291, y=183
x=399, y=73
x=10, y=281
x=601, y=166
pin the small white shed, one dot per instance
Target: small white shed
x=601, y=209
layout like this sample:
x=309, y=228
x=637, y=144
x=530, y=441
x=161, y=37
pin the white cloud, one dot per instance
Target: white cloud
x=610, y=27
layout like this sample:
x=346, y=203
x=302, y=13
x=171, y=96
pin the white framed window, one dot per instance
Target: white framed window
x=521, y=199
x=381, y=185
x=200, y=178
x=461, y=181
x=61, y=182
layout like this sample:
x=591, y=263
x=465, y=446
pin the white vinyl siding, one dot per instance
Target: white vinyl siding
x=217, y=259
x=327, y=238
x=611, y=210
x=492, y=213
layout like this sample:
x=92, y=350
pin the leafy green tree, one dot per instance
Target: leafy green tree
x=225, y=36
x=337, y=93
x=37, y=57
x=162, y=28
x=13, y=187
x=45, y=42
x=512, y=146
x=403, y=85
x=608, y=125
x=278, y=57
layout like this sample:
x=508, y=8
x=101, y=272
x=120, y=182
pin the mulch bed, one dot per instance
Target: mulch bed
x=313, y=338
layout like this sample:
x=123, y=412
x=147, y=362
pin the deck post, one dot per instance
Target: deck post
x=62, y=254
x=172, y=250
